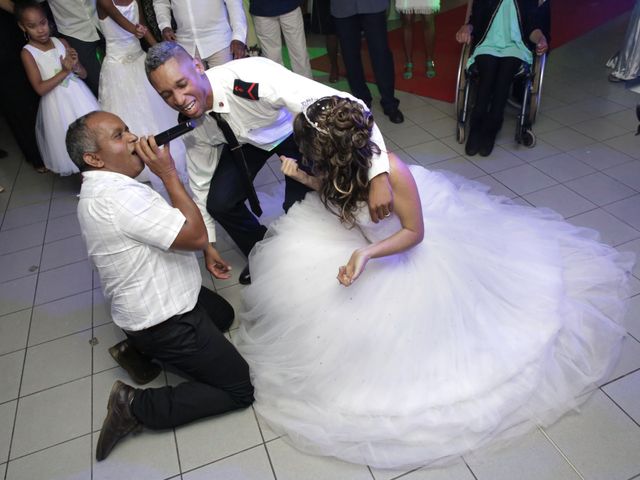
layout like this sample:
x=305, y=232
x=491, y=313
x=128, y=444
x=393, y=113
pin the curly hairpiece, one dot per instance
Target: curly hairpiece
x=334, y=134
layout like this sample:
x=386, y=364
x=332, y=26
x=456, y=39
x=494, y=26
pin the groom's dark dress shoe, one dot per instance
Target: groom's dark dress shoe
x=119, y=421
x=245, y=276
x=140, y=368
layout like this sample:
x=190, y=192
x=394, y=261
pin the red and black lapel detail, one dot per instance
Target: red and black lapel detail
x=248, y=90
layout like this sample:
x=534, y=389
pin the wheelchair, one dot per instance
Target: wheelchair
x=531, y=76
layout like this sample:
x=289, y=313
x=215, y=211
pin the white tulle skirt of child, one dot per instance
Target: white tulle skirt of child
x=58, y=109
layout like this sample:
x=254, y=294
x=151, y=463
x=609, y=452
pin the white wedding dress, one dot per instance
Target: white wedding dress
x=126, y=91
x=500, y=320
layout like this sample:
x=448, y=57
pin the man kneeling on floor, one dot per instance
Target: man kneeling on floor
x=143, y=250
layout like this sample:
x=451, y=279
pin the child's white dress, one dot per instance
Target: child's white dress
x=59, y=108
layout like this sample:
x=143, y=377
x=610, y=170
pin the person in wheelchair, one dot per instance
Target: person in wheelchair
x=502, y=35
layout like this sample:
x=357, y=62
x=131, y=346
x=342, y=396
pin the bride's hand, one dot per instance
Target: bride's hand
x=349, y=273
x=289, y=167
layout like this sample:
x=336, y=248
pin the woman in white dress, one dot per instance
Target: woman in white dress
x=467, y=319
x=124, y=87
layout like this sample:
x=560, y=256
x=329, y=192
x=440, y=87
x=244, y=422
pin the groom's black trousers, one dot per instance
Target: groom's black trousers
x=194, y=344
x=227, y=194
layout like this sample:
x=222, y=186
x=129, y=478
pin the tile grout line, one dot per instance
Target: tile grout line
x=48, y=447
x=618, y=405
x=6, y=209
x=264, y=444
x=613, y=380
x=222, y=458
x=473, y=474
x=573, y=467
x=93, y=348
x=175, y=435
x=26, y=348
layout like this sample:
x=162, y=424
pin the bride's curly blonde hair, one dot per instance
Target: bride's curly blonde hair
x=334, y=136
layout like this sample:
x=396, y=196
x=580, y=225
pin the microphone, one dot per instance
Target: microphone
x=174, y=132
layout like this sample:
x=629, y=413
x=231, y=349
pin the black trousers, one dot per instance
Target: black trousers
x=227, y=195
x=194, y=344
x=19, y=105
x=495, y=78
x=374, y=26
x=18, y=101
x=87, y=53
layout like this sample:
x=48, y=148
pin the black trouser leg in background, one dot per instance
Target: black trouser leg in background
x=375, y=31
x=19, y=105
x=495, y=77
x=349, y=35
x=87, y=53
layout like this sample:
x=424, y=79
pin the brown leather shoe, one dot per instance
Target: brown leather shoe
x=119, y=421
x=139, y=367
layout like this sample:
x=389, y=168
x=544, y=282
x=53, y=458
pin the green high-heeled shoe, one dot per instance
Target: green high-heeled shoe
x=430, y=69
x=408, y=71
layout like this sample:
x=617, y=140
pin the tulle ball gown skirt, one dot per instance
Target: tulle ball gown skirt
x=499, y=321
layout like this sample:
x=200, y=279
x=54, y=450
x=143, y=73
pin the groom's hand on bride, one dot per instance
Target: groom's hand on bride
x=349, y=273
x=215, y=264
x=380, y=197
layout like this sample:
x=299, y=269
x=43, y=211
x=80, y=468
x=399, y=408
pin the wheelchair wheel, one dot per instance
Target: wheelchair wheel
x=536, y=87
x=461, y=133
x=462, y=81
x=528, y=138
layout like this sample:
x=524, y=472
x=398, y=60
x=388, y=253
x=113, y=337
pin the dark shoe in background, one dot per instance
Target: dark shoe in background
x=473, y=142
x=395, y=116
x=487, y=143
x=245, y=276
x=139, y=367
x=119, y=421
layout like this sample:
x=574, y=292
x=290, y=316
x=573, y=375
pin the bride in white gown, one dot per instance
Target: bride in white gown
x=499, y=320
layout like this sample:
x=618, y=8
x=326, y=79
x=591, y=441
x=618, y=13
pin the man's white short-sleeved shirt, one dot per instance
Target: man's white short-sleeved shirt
x=128, y=229
x=264, y=122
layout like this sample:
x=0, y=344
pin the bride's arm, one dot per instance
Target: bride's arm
x=289, y=167
x=409, y=210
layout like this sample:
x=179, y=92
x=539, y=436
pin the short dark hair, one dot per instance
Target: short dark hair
x=22, y=6
x=160, y=53
x=81, y=139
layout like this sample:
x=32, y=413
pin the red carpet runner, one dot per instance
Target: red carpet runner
x=569, y=20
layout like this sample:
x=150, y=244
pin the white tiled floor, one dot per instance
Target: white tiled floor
x=55, y=372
